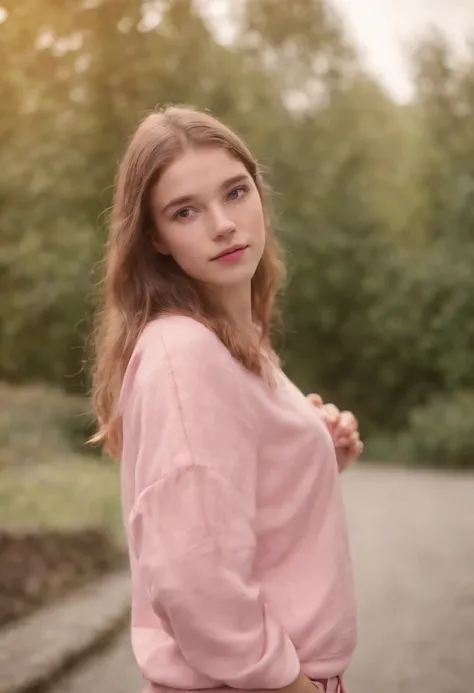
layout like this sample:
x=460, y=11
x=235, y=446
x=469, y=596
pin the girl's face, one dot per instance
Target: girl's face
x=204, y=205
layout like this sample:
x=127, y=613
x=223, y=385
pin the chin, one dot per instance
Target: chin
x=236, y=275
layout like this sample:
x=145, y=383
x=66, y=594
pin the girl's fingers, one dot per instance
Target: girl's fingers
x=354, y=437
x=348, y=421
x=316, y=400
x=344, y=429
x=351, y=446
x=342, y=441
x=343, y=426
x=331, y=414
x=347, y=439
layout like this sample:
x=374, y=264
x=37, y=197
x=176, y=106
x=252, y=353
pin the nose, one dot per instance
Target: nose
x=220, y=223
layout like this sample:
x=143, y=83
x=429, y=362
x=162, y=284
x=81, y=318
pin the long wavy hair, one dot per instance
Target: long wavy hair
x=140, y=284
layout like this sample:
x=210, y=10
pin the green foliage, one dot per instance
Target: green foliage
x=38, y=423
x=63, y=493
x=441, y=432
x=388, y=448
x=48, y=477
x=374, y=201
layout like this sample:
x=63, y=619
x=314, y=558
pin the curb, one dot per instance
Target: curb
x=36, y=649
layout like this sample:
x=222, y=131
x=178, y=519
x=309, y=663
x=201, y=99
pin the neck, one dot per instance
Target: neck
x=238, y=304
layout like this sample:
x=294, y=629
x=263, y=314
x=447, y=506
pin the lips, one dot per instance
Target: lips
x=229, y=251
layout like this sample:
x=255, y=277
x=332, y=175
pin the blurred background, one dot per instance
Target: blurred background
x=361, y=112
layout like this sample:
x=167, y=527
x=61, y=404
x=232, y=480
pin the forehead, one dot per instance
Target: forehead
x=197, y=171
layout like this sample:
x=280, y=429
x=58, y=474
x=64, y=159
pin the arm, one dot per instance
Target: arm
x=196, y=550
x=192, y=527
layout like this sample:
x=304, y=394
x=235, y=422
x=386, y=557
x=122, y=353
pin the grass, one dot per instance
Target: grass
x=68, y=493
x=38, y=422
x=46, y=478
x=51, y=488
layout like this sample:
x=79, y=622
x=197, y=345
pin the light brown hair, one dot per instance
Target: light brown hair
x=140, y=284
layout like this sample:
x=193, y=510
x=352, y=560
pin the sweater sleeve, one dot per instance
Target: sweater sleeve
x=192, y=530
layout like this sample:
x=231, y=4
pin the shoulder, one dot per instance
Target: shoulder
x=178, y=338
x=179, y=350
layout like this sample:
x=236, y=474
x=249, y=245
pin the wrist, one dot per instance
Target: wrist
x=301, y=685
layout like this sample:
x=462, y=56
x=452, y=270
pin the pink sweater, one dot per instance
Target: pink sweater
x=237, y=533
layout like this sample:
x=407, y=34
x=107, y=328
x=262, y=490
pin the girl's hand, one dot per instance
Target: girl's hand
x=344, y=430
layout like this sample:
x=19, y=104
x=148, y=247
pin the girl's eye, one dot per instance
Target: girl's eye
x=184, y=214
x=237, y=192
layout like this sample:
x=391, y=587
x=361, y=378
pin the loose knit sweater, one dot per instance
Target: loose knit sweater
x=240, y=564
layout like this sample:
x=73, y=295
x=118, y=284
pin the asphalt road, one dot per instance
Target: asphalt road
x=412, y=535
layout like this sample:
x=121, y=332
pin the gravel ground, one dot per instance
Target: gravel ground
x=413, y=546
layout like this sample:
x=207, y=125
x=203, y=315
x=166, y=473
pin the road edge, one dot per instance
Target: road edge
x=37, y=650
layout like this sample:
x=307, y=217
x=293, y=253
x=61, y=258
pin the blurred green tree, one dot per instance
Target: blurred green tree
x=373, y=200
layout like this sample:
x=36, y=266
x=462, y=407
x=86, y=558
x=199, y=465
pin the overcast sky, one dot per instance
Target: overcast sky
x=382, y=26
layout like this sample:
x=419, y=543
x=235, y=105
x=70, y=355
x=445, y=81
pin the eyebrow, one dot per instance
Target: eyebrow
x=227, y=183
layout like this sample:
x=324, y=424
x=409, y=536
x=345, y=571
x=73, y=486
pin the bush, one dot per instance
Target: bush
x=389, y=448
x=78, y=426
x=66, y=493
x=441, y=433
x=38, y=423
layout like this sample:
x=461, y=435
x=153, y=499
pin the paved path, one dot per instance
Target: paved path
x=413, y=545
x=111, y=671
x=33, y=648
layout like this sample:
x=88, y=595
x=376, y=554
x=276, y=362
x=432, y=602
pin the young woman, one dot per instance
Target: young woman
x=241, y=575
